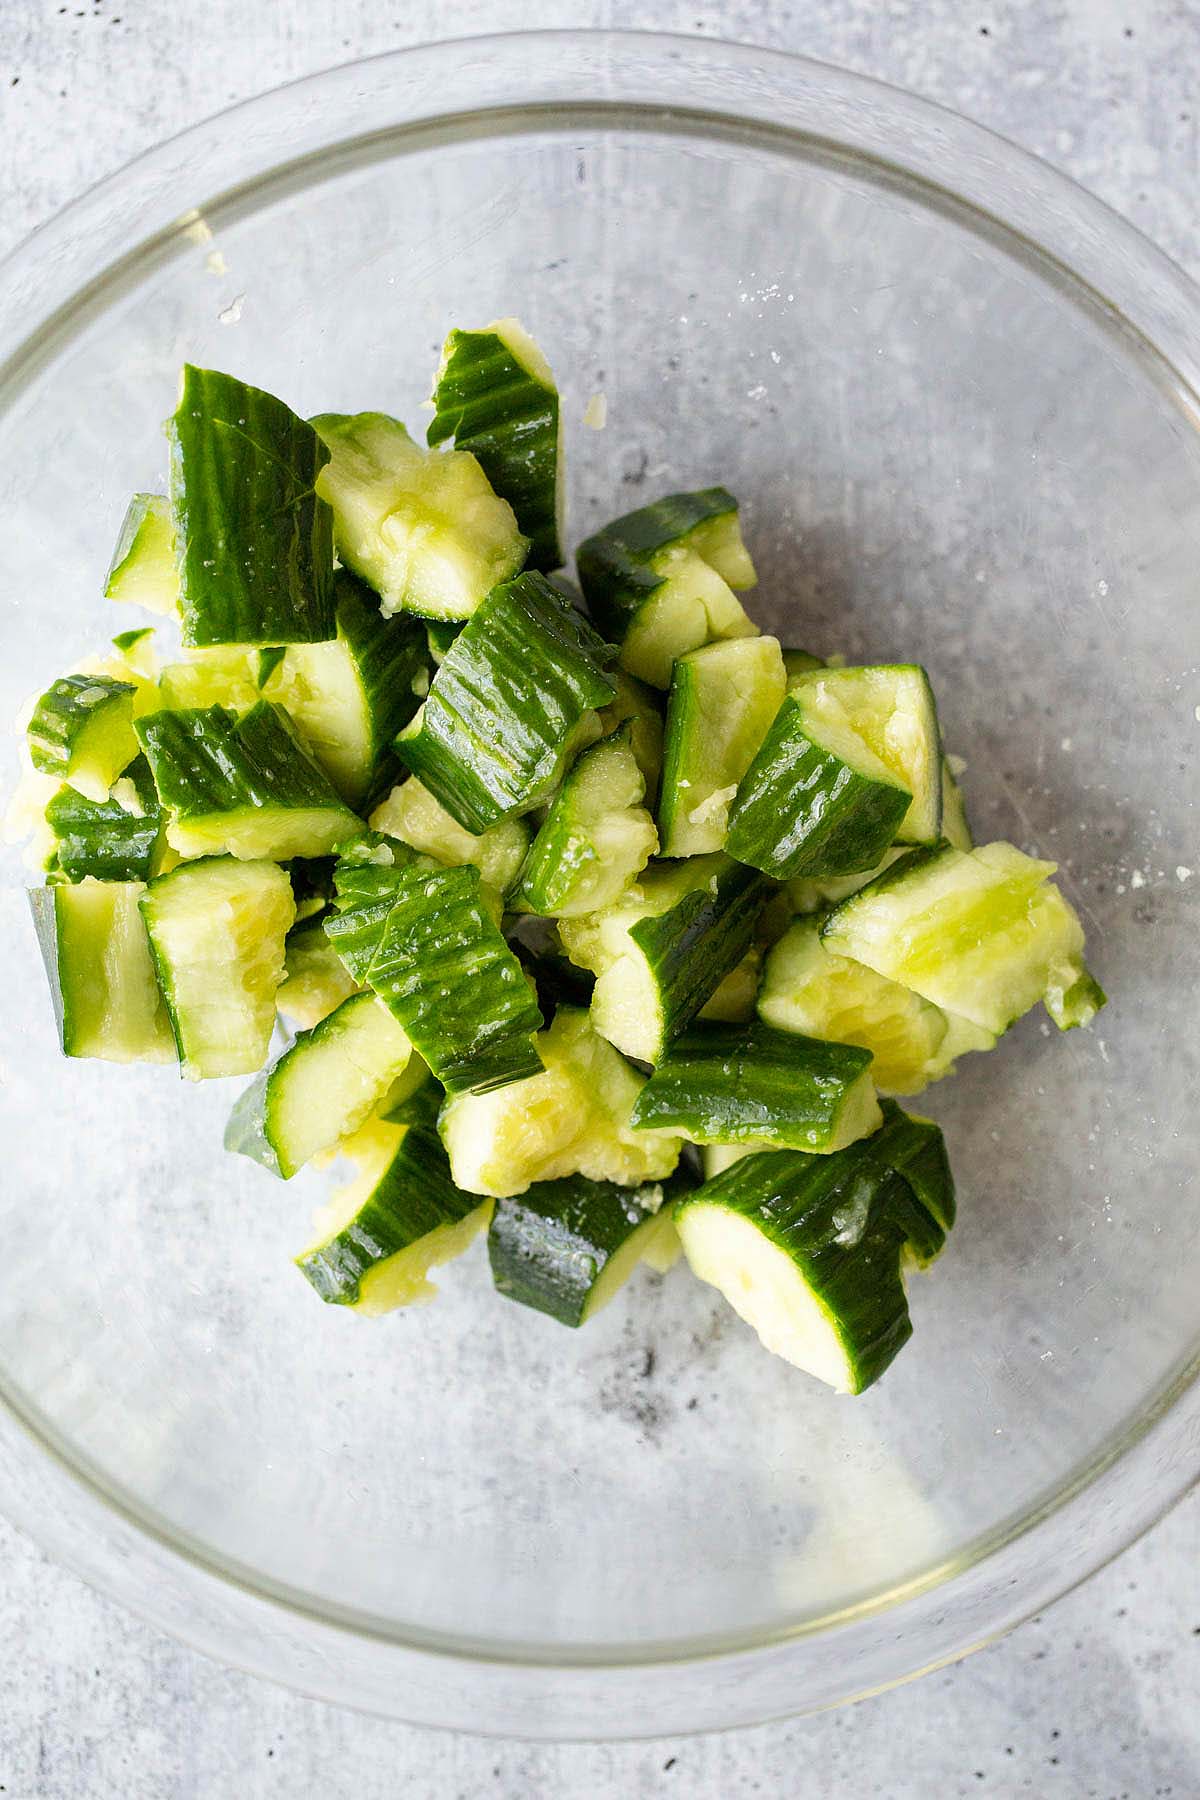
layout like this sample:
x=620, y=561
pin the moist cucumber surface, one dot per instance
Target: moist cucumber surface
x=533, y=903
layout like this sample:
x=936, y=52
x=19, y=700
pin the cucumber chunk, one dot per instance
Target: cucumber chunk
x=750, y=1084
x=812, y=1250
x=411, y=814
x=597, y=836
x=446, y=974
x=572, y=1118
x=981, y=933
x=422, y=527
x=225, y=675
x=663, y=950
x=116, y=839
x=512, y=702
x=660, y=581
x=956, y=828
x=890, y=709
x=217, y=930
x=366, y=882
x=350, y=697
x=143, y=569
x=815, y=800
x=245, y=786
x=315, y=981
x=402, y=1216
x=566, y=1247
x=495, y=396
x=322, y=1088
x=809, y=988
x=82, y=731
x=253, y=539
x=641, y=706
x=102, y=981
x=722, y=701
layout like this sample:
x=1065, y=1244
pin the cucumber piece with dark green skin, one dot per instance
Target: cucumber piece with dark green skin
x=134, y=644
x=813, y=802
x=571, y=1118
x=422, y=527
x=596, y=838
x=245, y=786
x=660, y=581
x=722, y=701
x=566, y=1247
x=812, y=1250
x=349, y=698
x=253, y=538
x=269, y=659
x=412, y=814
x=495, y=396
x=315, y=981
x=447, y=975
x=143, y=568
x=82, y=731
x=366, y=883
x=890, y=710
x=378, y=1238
x=512, y=702
x=101, y=973
x=323, y=1087
x=217, y=928
x=771, y=1090
x=984, y=933
x=117, y=839
x=665, y=948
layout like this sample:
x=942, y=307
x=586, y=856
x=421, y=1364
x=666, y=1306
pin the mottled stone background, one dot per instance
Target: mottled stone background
x=1099, y=1698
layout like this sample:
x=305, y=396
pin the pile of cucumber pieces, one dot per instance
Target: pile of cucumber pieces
x=599, y=921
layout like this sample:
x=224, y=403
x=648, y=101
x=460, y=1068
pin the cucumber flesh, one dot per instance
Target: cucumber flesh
x=510, y=706
x=571, y=1119
x=422, y=527
x=596, y=838
x=226, y=675
x=412, y=814
x=253, y=538
x=956, y=828
x=82, y=731
x=772, y=1090
x=377, y=1239
x=983, y=934
x=102, y=980
x=245, y=786
x=641, y=707
x=733, y=1002
x=567, y=1247
x=217, y=930
x=315, y=981
x=143, y=568
x=810, y=989
x=495, y=396
x=322, y=1088
x=722, y=701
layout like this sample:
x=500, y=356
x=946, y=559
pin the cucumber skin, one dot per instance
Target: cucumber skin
x=99, y=838
x=491, y=405
x=512, y=689
x=800, y=810
x=63, y=713
x=693, y=947
x=241, y=457
x=207, y=761
x=549, y=1246
x=614, y=564
x=366, y=893
x=446, y=974
x=749, y=1084
x=412, y=1197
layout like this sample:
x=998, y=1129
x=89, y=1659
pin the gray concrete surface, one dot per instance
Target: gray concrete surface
x=1099, y=1698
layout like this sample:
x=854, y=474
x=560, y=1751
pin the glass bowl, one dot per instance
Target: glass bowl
x=957, y=398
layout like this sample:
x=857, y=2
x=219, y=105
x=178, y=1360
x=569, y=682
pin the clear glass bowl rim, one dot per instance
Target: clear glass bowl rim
x=66, y=272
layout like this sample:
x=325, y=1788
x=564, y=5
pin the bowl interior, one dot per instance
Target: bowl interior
x=945, y=452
